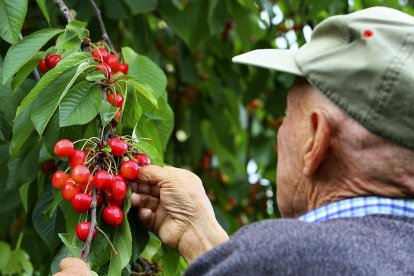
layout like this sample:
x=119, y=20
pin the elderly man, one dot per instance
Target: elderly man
x=345, y=175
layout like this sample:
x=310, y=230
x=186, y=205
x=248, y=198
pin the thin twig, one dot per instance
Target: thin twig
x=87, y=246
x=105, y=35
x=109, y=240
x=64, y=10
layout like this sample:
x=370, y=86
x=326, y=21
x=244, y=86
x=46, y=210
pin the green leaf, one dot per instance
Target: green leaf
x=5, y=253
x=43, y=9
x=54, y=133
x=22, y=130
x=67, y=241
x=151, y=151
x=48, y=101
x=170, y=260
x=195, y=12
x=54, y=205
x=152, y=247
x=129, y=55
x=123, y=243
x=80, y=105
x=144, y=90
x=30, y=163
x=163, y=119
x=20, y=53
x=26, y=161
x=47, y=228
x=53, y=78
x=216, y=16
x=147, y=130
x=24, y=195
x=73, y=36
x=96, y=76
x=16, y=262
x=132, y=112
x=26, y=70
x=146, y=71
x=107, y=112
x=141, y=6
x=12, y=13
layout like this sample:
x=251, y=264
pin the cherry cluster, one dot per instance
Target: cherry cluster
x=49, y=62
x=104, y=167
x=108, y=63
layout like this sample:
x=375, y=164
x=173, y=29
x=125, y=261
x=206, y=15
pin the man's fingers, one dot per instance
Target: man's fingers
x=147, y=217
x=73, y=266
x=151, y=175
x=144, y=201
x=145, y=189
x=72, y=262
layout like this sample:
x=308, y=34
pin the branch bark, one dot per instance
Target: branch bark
x=105, y=35
x=64, y=10
x=87, y=246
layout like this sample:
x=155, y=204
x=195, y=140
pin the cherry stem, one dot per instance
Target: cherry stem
x=87, y=246
x=64, y=10
x=105, y=35
x=106, y=236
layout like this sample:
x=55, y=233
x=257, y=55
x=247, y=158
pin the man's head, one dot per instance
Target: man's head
x=325, y=155
x=356, y=90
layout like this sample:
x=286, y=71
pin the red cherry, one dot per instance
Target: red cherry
x=119, y=189
x=113, y=216
x=118, y=114
x=52, y=60
x=122, y=67
x=82, y=231
x=81, y=174
x=100, y=54
x=69, y=191
x=59, y=179
x=115, y=99
x=105, y=68
x=64, y=148
x=43, y=66
x=118, y=177
x=77, y=158
x=103, y=180
x=115, y=202
x=86, y=187
x=112, y=61
x=81, y=203
x=48, y=166
x=142, y=159
x=118, y=146
x=130, y=169
x=255, y=104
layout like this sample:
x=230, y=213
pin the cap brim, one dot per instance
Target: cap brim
x=275, y=59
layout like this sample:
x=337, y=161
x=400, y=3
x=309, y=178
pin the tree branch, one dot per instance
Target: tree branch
x=105, y=35
x=64, y=10
x=87, y=246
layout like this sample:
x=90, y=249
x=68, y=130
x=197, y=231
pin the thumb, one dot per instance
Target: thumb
x=75, y=266
x=152, y=175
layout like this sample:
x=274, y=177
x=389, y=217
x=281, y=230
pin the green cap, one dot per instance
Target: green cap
x=363, y=62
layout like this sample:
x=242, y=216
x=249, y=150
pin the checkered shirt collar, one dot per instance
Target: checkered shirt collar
x=359, y=207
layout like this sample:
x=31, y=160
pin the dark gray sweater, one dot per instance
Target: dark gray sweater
x=371, y=245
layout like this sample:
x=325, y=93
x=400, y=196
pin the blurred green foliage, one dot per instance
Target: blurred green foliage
x=226, y=115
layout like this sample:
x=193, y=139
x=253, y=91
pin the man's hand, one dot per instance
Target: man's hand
x=173, y=204
x=73, y=267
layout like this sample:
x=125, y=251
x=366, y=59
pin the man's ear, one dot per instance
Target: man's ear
x=317, y=145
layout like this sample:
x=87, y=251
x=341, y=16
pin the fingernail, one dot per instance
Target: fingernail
x=145, y=214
